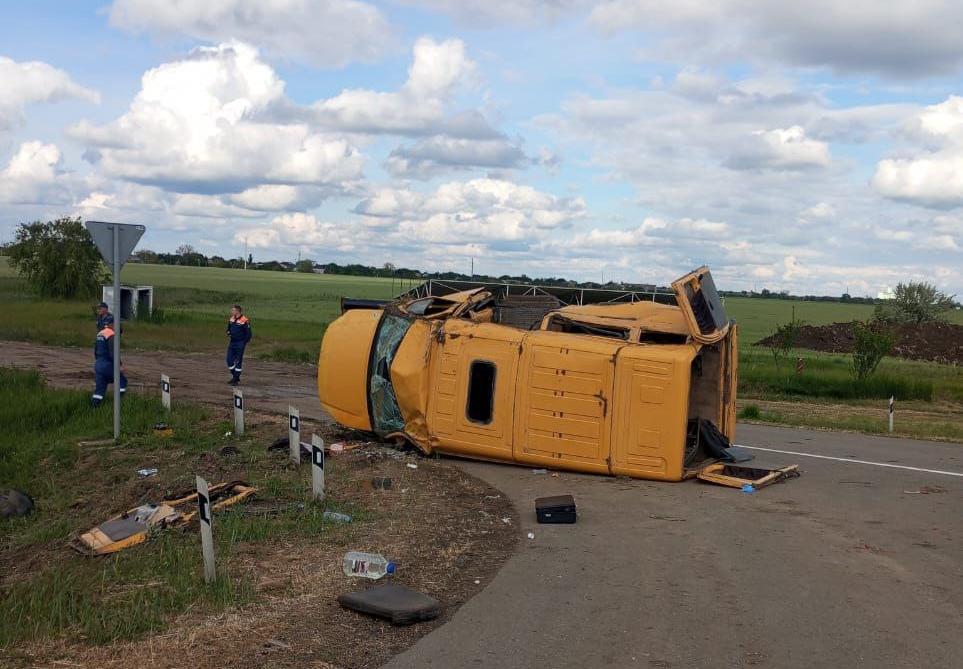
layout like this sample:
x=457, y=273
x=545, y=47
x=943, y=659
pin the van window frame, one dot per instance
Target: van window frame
x=468, y=393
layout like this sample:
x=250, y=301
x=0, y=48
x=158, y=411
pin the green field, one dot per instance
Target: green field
x=289, y=312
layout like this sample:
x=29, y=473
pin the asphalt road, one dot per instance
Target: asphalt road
x=846, y=566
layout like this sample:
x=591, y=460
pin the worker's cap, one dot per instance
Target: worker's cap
x=103, y=305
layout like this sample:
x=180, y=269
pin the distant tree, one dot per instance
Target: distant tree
x=57, y=258
x=250, y=258
x=185, y=250
x=305, y=266
x=915, y=302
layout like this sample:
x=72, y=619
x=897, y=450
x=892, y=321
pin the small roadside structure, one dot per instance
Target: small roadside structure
x=135, y=301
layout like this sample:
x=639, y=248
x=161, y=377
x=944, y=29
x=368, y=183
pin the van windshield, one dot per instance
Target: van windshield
x=385, y=415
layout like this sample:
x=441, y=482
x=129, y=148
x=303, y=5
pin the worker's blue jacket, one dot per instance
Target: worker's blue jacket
x=104, y=321
x=104, y=352
x=240, y=330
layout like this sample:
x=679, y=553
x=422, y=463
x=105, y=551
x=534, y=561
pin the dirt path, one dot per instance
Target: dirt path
x=201, y=377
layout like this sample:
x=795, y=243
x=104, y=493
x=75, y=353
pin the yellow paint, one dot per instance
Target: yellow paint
x=564, y=400
x=343, y=367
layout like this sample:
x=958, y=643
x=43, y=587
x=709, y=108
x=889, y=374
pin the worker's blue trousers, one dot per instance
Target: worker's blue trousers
x=103, y=380
x=235, y=356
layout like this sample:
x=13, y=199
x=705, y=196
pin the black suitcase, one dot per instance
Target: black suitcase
x=558, y=509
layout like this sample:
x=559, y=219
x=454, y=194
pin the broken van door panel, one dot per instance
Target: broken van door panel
x=564, y=390
x=649, y=422
x=473, y=394
x=699, y=301
x=343, y=365
x=410, y=381
x=386, y=416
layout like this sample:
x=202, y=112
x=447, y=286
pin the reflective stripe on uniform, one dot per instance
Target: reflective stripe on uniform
x=98, y=397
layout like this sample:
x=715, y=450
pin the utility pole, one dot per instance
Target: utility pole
x=473, y=268
x=245, y=252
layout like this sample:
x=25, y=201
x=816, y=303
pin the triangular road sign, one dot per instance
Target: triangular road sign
x=103, y=236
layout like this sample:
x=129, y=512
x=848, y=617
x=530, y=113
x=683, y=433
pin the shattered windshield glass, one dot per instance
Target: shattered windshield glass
x=385, y=414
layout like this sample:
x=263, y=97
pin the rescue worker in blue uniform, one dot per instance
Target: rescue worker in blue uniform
x=104, y=365
x=239, y=332
x=104, y=317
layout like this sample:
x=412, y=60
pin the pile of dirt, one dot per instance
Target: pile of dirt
x=937, y=342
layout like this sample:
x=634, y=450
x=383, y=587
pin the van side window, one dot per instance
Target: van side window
x=481, y=391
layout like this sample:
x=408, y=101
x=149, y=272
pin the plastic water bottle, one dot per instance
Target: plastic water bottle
x=367, y=565
x=748, y=489
x=336, y=517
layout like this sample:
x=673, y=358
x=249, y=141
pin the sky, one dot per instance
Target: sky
x=813, y=147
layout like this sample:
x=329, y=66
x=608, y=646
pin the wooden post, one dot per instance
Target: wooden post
x=294, y=434
x=317, y=467
x=207, y=534
x=166, y=391
x=238, y=412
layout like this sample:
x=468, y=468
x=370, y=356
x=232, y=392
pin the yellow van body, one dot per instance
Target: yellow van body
x=604, y=388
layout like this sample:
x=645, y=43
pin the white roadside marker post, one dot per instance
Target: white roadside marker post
x=238, y=412
x=207, y=533
x=166, y=391
x=294, y=434
x=892, y=410
x=317, y=467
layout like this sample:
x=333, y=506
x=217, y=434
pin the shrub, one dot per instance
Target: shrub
x=750, y=412
x=870, y=343
x=784, y=338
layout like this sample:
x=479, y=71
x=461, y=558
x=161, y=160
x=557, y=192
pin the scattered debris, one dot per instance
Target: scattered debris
x=163, y=430
x=671, y=519
x=531, y=535
x=336, y=448
x=336, y=517
x=366, y=565
x=381, y=483
x=228, y=433
x=748, y=489
x=540, y=471
x=926, y=490
x=278, y=644
x=146, y=472
x=554, y=475
x=738, y=476
x=477, y=582
x=411, y=465
x=507, y=520
x=134, y=526
x=15, y=503
x=230, y=450
x=557, y=509
x=400, y=605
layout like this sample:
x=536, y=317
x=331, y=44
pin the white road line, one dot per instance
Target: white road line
x=859, y=462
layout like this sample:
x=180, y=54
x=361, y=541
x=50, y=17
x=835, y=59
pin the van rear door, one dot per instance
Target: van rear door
x=700, y=303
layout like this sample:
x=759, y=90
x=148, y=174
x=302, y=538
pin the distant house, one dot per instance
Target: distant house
x=318, y=269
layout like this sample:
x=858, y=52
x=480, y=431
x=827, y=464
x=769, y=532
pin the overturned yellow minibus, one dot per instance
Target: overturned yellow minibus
x=627, y=387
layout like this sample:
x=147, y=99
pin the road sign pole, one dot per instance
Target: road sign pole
x=207, y=535
x=317, y=467
x=117, y=321
x=294, y=434
x=238, y=412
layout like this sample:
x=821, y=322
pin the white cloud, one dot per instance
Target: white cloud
x=436, y=71
x=779, y=148
x=899, y=38
x=33, y=176
x=932, y=175
x=479, y=210
x=300, y=230
x=319, y=32
x=435, y=155
x=29, y=82
x=475, y=13
x=194, y=127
